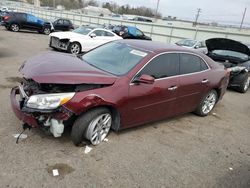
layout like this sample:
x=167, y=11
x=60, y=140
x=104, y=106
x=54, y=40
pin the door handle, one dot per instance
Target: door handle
x=205, y=81
x=172, y=88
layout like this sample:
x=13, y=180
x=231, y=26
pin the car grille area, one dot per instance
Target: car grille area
x=59, y=44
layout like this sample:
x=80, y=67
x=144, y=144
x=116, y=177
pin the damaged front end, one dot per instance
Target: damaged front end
x=59, y=43
x=42, y=104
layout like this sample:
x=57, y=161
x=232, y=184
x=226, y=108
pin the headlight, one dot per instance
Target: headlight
x=49, y=101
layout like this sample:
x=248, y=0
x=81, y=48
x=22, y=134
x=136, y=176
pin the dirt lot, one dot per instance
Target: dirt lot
x=186, y=151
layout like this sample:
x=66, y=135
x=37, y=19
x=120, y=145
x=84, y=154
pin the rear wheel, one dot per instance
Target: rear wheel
x=207, y=103
x=14, y=27
x=93, y=126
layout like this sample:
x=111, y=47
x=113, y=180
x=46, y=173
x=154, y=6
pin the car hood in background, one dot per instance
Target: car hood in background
x=226, y=44
x=58, y=68
x=67, y=34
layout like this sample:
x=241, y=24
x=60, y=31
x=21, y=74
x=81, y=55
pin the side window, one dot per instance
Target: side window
x=199, y=45
x=60, y=22
x=191, y=64
x=203, y=65
x=165, y=65
x=108, y=34
x=99, y=33
x=138, y=33
x=31, y=18
x=203, y=44
x=66, y=22
x=22, y=16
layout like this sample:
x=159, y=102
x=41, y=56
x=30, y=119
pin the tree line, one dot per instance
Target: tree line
x=112, y=6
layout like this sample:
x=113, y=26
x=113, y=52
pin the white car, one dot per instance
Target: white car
x=81, y=39
x=193, y=44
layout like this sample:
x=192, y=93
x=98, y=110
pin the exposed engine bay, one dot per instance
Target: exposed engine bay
x=31, y=87
x=50, y=120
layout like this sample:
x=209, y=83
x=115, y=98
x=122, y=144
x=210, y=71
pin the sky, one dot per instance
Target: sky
x=223, y=11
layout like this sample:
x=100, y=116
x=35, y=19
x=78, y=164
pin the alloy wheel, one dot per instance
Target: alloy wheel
x=99, y=128
x=247, y=83
x=46, y=31
x=209, y=103
x=14, y=27
x=75, y=49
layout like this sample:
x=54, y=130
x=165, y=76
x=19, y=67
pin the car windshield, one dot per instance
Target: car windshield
x=115, y=57
x=186, y=42
x=230, y=54
x=83, y=30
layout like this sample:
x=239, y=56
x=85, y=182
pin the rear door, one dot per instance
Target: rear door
x=59, y=25
x=21, y=19
x=150, y=102
x=34, y=23
x=193, y=82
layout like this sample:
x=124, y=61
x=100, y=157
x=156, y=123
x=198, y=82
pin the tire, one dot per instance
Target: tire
x=14, y=27
x=46, y=31
x=207, y=104
x=244, y=84
x=75, y=48
x=90, y=124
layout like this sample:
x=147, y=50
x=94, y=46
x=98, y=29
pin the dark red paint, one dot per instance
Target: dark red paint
x=135, y=103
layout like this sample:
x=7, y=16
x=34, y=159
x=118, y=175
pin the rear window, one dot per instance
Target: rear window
x=191, y=64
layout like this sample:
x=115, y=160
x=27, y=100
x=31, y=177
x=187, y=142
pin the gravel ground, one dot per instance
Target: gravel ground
x=185, y=151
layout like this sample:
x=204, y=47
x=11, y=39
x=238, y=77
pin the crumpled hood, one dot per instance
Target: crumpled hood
x=59, y=68
x=67, y=35
x=226, y=44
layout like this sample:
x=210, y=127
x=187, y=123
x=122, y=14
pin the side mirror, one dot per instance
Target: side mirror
x=146, y=79
x=92, y=35
x=196, y=47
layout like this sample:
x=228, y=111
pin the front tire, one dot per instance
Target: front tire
x=207, y=104
x=14, y=27
x=74, y=48
x=244, y=85
x=94, y=126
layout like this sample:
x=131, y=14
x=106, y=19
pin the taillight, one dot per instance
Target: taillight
x=6, y=17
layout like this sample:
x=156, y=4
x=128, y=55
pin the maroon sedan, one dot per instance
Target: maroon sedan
x=119, y=85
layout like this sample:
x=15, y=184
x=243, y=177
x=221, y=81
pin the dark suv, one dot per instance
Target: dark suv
x=129, y=32
x=61, y=24
x=16, y=20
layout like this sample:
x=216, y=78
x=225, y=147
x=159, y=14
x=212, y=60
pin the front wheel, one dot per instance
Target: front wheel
x=93, y=126
x=244, y=85
x=46, y=31
x=207, y=103
x=74, y=48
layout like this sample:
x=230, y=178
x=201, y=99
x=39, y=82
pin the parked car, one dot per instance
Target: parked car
x=193, y=44
x=81, y=39
x=130, y=32
x=236, y=57
x=141, y=19
x=118, y=85
x=61, y=24
x=14, y=21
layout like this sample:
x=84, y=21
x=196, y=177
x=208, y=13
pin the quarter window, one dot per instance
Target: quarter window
x=165, y=65
x=191, y=64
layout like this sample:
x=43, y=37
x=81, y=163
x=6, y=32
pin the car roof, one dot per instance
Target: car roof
x=153, y=46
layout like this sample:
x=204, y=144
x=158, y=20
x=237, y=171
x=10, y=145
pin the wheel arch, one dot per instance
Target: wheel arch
x=116, y=118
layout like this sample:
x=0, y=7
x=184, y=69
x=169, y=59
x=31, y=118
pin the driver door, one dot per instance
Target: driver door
x=150, y=102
